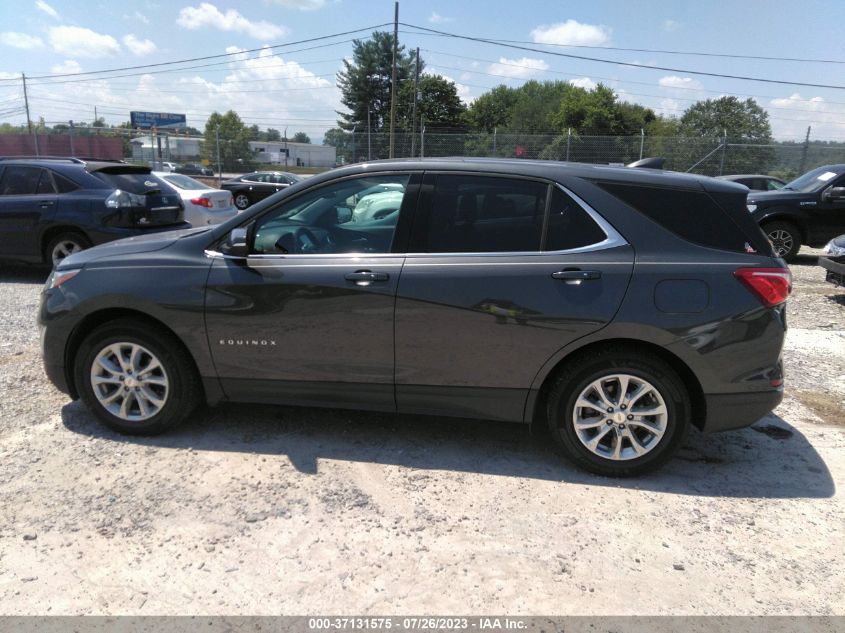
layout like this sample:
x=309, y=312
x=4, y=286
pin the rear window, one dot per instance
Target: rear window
x=692, y=215
x=139, y=183
x=185, y=182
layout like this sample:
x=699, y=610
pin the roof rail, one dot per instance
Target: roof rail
x=74, y=159
x=652, y=162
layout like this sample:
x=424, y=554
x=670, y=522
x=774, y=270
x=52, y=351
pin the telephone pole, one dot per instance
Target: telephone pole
x=28, y=120
x=416, y=96
x=393, y=78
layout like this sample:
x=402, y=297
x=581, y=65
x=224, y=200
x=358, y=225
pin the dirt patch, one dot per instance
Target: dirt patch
x=828, y=406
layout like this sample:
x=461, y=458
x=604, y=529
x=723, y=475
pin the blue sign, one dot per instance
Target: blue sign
x=159, y=120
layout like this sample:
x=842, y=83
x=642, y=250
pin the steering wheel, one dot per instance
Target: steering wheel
x=305, y=240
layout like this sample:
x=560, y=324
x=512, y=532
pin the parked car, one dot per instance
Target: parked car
x=834, y=264
x=250, y=188
x=204, y=205
x=192, y=169
x=569, y=295
x=756, y=182
x=809, y=210
x=53, y=207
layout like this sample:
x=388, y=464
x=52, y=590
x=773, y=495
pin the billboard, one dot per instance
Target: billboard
x=159, y=120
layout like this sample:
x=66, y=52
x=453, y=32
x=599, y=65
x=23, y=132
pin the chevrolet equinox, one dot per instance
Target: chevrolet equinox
x=617, y=306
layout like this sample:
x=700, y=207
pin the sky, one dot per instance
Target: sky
x=293, y=86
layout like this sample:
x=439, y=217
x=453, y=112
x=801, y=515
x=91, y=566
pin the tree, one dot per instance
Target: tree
x=300, y=137
x=273, y=134
x=438, y=104
x=492, y=109
x=341, y=140
x=234, y=141
x=365, y=82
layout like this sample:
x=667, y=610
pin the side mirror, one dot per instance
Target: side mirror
x=344, y=215
x=834, y=193
x=236, y=245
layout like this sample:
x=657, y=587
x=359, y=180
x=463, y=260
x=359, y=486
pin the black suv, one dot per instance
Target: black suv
x=576, y=296
x=52, y=207
x=809, y=210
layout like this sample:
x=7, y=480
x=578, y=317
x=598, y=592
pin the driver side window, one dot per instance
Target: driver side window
x=356, y=215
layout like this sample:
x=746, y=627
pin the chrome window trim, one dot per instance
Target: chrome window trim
x=613, y=239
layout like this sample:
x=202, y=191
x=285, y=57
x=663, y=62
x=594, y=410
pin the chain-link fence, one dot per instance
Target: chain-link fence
x=708, y=156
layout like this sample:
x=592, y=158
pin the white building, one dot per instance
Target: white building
x=298, y=154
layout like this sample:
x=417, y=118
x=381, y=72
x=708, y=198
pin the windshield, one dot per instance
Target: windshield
x=185, y=182
x=813, y=181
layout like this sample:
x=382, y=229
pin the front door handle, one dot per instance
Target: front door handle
x=365, y=277
x=45, y=204
x=574, y=277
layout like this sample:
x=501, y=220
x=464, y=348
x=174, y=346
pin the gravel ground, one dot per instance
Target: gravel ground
x=261, y=510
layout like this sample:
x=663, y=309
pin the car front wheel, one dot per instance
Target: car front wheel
x=618, y=413
x=136, y=379
x=242, y=201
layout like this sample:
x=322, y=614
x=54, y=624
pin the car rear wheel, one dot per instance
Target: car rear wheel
x=64, y=245
x=242, y=201
x=785, y=239
x=135, y=378
x=618, y=413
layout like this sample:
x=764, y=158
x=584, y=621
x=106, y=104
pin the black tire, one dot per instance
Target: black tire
x=785, y=239
x=69, y=241
x=577, y=376
x=184, y=390
x=242, y=200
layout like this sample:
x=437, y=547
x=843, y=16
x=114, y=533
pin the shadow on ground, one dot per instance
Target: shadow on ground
x=23, y=273
x=771, y=459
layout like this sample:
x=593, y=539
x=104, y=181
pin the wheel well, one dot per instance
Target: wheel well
x=96, y=319
x=53, y=231
x=638, y=347
x=786, y=219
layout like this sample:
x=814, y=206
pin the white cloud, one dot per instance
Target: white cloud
x=81, y=42
x=670, y=25
x=20, y=40
x=302, y=5
x=436, y=18
x=827, y=119
x=140, y=17
x=69, y=66
x=583, y=82
x=517, y=68
x=208, y=15
x=673, y=81
x=570, y=33
x=46, y=8
x=139, y=47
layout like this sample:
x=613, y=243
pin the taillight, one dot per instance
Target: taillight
x=202, y=202
x=771, y=285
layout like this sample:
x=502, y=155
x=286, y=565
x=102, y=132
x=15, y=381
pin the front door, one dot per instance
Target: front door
x=501, y=273
x=829, y=215
x=308, y=317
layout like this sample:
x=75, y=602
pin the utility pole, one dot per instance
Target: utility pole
x=724, y=152
x=369, y=141
x=219, y=170
x=393, y=78
x=95, y=117
x=416, y=96
x=72, y=151
x=804, y=151
x=28, y=120
x=422, y=137
x=354, y=127
x=286, y=147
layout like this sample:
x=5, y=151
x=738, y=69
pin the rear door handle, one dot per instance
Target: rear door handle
x=575, y=277
x=45, y=204
x=365, y=277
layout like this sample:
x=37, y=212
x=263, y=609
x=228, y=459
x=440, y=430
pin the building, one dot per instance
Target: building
x=297, y=154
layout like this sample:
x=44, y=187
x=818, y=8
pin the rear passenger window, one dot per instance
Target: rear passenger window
x=478, y=214
x=45, y=183
x=692, y=215
x=19, y=180
x=569, y=225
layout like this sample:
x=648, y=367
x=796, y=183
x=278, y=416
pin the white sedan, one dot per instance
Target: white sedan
x=204, y=205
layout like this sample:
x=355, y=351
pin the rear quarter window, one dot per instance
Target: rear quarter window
x=691, y=215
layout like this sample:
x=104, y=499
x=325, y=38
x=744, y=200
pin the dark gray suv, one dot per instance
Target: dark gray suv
x=618, y=306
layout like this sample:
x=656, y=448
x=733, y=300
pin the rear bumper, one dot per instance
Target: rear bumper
x=738, y=410
x=835, y=270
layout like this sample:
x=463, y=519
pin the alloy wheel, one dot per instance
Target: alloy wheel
x=242, y=201
x=781, y=241
x=129, y=381
x=64, y=249
x=620, y=417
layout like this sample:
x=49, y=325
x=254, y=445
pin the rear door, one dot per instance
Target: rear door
x=27, y=196
x=501, y=274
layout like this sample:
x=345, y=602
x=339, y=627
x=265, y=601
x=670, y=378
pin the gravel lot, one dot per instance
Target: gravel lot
x=261, y=510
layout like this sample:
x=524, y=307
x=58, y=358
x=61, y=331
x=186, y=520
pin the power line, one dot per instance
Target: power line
x=197, y=59
x=620, y=63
